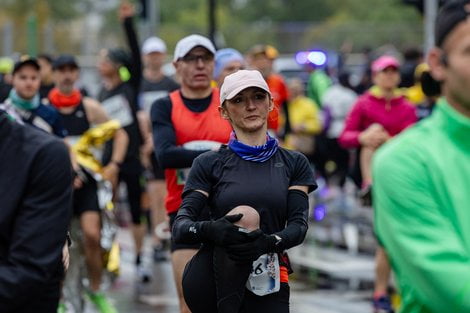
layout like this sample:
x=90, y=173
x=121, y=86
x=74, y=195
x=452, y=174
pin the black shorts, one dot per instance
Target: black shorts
x=179, y=246
x=86, y=197
x=156, y=171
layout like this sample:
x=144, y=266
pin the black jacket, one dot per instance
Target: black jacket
x=35, y=210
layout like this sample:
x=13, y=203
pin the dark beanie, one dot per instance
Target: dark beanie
x=450, y=15
x=119, y=56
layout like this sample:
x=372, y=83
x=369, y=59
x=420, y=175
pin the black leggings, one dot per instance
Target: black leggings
x=131, y=175
x=341, y=158
x=199, y=289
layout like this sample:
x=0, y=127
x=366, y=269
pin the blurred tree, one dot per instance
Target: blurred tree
x=185, y=17
x=57, y=10
x=282, y=10
x=45, y=11
x=367, y=23
x=287, y=24
x=419, y=4
x=276, y=22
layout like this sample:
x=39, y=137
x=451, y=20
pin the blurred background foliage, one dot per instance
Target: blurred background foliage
x=85, y=26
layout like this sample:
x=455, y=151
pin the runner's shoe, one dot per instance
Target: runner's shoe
x=61, y=308
x=159, y=254
x=365, y=194
x=101, y=302
x=383, y=305
x=143, y=274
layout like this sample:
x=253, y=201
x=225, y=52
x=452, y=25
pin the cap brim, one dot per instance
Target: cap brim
x=382, y=68
x=33, y=63
x=57, y=66
x=148, y=51
x=184, y=53
x=247, y=84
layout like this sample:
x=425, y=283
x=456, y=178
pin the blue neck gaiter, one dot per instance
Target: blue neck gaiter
x=254, y=153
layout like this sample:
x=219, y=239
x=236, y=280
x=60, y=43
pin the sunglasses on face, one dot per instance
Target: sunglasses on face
x=194, y=58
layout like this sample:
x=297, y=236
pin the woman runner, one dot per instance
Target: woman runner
x=259, y=186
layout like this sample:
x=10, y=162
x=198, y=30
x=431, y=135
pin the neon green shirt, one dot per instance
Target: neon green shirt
x=422, y=211
x=318, y=84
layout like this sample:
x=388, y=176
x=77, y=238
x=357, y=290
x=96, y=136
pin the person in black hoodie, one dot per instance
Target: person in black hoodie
x=35, y=210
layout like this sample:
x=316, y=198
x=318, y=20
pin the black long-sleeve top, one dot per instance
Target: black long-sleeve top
x=135, y=67
x=231, y=181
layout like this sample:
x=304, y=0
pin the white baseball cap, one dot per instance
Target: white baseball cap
x=187, y=43
x=153, y=44
x=240, y=80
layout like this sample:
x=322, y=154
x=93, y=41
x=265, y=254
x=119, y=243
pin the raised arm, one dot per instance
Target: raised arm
x=126, y=15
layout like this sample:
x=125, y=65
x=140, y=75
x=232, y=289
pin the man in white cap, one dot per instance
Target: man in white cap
x=185, y=124
x=155, y=84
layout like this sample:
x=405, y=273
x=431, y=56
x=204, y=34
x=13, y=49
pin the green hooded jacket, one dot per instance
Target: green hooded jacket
x=422, y=211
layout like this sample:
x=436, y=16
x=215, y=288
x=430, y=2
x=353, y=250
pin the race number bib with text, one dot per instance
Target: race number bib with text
x=265, y=277
x=118, y=108
x=198, y=145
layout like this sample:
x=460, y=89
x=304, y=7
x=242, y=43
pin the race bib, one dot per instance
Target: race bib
x=265, y=277
x=198, y=145
x=117, y=108
x=149, y=97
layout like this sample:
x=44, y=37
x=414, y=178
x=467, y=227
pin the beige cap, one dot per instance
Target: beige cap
x=240, y=80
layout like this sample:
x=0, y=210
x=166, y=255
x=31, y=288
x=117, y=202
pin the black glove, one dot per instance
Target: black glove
x=222, y=231
x=250, y=251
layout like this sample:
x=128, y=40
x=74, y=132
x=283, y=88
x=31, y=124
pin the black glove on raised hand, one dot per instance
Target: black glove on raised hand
x=223, y=232
x=250, y=251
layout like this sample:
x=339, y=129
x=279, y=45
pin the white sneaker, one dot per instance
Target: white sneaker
x=143, y=274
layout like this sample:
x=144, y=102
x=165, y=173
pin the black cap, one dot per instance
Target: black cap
x=120, y=57
x=452, y=13
x=25, y=60
x=65, y=60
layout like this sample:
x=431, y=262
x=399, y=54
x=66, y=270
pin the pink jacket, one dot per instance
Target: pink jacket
x=394, y=115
